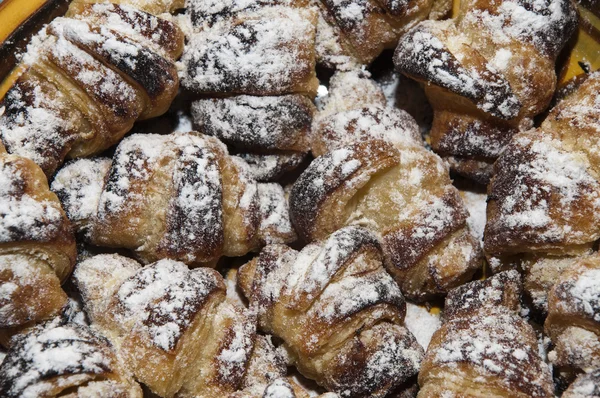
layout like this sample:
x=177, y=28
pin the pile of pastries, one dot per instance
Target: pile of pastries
x=300, y=198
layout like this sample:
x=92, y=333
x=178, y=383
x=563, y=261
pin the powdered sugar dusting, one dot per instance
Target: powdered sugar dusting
x=165, y=297
x=421, y=323
x=23, y=216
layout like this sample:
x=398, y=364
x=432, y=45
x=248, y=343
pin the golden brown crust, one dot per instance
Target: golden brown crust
x=86, y=79
x=267, y=52
x=483, y=347
x=170, y=324
x=488, y=72
x=179, y=196
x=66, y=360
x=333, y=305
x=544, y=195
x=404, y=194
x=37, y=246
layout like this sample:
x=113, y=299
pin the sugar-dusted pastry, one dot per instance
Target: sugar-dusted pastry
x=267, y=52
x=85, y=79
x=178, y=196
x=484, y=348
x=355, y=109
x=269, y=167
x=486, y=73
x=257, y=123
x=355, y=32
x=573, y=321
x=173, y=327
x=372, y=122
x=585, y=386
x=61, y=359
x=406, y=197
x=337, y=311
x=37, y=245
x=271, y=133
x=544, y=196
x=348, y=90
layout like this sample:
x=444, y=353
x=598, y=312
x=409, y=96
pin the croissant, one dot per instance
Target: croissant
x=85, y=79
x=267, y=51
x=484, y=348
x=585, y=386
x=60, y=359
x=573, y=321
x=271, y=133
x=406, y=197
x=337, y=311
x=37, y=245
x=486, y=73
x=179, y=196
x=172, y=326
x=356, y=32
x=543, y=199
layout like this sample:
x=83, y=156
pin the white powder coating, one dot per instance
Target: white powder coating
x=476, y=205
x=250, y=122
x=274, y=213
x=263, y=54
x=351, y=89
x=33, y=120
x=584, y=294
x=105, y=40
x=495, y=342
x=71, y=351
x=133, y=163
x=79, y=185
x=537, y=22
x=165, y=297
x=373, y=122
x=23, y=216
x=421, y=323
x=19, y=275
x=100, y=81
x=551, y=170
x=234, y=356
x=195, y=209
x=279, y=388
x=271, y=167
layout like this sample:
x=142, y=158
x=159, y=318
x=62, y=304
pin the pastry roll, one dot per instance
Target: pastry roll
x=406, y=197
x=337, y=311
x=37, y=245
x=85, y=79
x=486, y=73
x=484, y=348
x=573, y=321
x=543, y=199
x=179, y=196
x=60, y=359
x=268, y=52
x=172, y=326
x=271, y=133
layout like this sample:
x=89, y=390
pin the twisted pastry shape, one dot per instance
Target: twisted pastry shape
x=487, y=73
x=37, y=245
x=543, y=199
x=484, y=348
x=406, y=197
x=337, y=310
x=178, y=196
x=86, y=78
x=172, y=326
x=61, y=359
